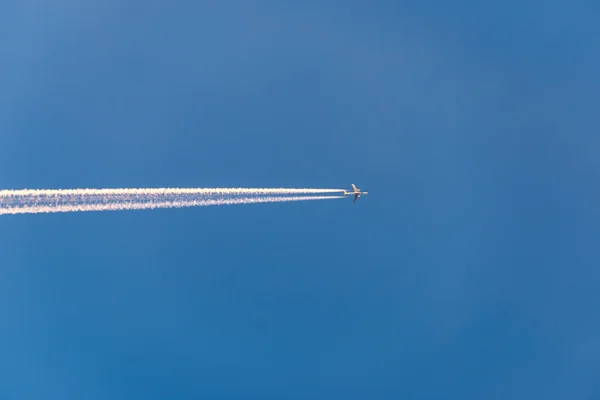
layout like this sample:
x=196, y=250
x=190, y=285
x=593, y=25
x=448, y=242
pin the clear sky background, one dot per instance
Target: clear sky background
x=471, y=270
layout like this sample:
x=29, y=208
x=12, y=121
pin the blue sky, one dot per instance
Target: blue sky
x=469, y=272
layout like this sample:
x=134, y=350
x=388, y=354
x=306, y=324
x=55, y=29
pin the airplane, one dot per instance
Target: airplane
x=357, y=193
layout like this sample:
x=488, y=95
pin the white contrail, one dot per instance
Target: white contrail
x=141, y=203
x=164, y=191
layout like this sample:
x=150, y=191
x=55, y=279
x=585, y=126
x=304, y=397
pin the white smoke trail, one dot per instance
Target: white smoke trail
x=142, y=203
x=164, y=191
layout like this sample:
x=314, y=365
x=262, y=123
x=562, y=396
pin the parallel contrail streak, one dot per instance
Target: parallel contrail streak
x=164, y=191
x=141, y=203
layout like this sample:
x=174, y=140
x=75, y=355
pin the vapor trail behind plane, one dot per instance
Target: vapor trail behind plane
x=166, y=191
x=70, y=203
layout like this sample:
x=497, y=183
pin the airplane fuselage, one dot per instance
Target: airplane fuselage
x=346, y=193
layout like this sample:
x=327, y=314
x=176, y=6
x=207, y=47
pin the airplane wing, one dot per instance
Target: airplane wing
x=354, y=187
x=355, y=198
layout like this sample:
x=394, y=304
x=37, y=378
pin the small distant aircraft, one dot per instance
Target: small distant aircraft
x=357, y=193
